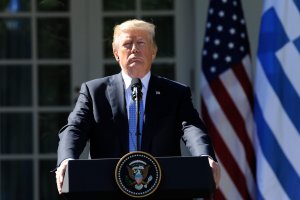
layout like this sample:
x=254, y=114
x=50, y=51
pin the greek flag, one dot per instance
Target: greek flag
x=277, y=101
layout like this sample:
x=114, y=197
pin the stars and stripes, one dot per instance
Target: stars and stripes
x=227, y=100
x=277, y=101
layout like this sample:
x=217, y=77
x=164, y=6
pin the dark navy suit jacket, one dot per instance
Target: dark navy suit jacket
x=100, y=116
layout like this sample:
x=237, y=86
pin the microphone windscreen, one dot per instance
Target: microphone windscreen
x=136, y=82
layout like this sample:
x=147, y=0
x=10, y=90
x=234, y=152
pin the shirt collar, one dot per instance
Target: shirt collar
x=127, y=80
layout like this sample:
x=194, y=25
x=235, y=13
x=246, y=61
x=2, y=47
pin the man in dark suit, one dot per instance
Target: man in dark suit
x=101, y=112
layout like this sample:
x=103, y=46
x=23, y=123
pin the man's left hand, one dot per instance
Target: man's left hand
x=216, y=171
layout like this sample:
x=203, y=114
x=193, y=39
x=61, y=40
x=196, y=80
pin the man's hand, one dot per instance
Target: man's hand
x=216, y=171
x=60, y=174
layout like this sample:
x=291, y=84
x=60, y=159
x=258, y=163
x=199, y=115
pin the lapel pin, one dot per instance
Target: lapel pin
x=157, y=92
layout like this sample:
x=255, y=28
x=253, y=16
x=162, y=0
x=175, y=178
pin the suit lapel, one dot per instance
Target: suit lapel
x=118, y=106
x=150, y=120
x=119, y=111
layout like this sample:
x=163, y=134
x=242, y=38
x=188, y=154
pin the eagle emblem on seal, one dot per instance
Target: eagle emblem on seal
x=138, y=172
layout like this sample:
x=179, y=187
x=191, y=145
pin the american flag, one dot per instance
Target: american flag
x=227, y=98
x=277, y=101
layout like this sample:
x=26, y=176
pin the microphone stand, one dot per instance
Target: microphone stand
x=138, y=131
x=136, y=96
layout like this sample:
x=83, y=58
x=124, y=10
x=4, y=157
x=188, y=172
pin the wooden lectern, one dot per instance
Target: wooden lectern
x=182, y=177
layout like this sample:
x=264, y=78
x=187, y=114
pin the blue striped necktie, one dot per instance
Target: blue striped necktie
x=132, y=124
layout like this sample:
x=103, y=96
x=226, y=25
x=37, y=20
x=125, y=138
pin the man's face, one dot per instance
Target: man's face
x=135, y=52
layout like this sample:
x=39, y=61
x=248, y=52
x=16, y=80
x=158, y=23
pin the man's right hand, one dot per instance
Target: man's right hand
x=60, y=174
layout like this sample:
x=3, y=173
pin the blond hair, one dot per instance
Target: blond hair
x=133, y=24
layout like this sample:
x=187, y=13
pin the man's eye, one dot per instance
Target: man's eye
x=127, y=44
x=141, y=43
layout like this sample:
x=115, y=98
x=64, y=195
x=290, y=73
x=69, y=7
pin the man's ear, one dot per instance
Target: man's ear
x=116, y=55
x=153, y=56
x=154, y=53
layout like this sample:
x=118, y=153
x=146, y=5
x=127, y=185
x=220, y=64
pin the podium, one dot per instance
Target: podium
x=182, y=177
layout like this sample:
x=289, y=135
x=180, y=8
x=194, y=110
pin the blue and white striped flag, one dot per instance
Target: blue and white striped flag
x=277, y=101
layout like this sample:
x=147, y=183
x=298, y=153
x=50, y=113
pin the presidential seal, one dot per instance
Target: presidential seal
x=138, y=174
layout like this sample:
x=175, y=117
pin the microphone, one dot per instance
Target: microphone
x=136, y=87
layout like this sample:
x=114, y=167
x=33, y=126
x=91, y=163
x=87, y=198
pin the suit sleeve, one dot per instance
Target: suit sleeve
x=195, y=134
x=74, y=135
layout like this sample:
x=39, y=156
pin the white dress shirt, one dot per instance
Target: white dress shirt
x=127, y=80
